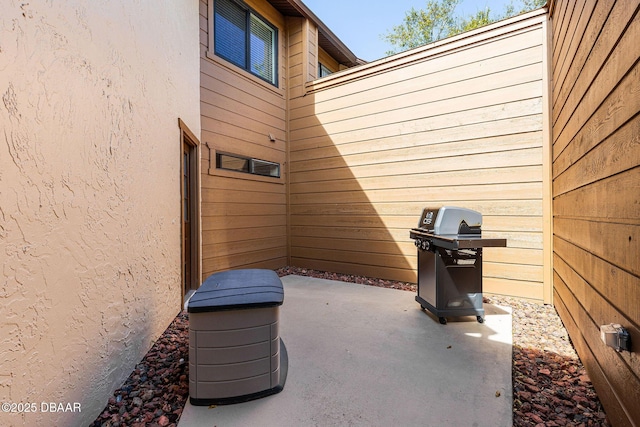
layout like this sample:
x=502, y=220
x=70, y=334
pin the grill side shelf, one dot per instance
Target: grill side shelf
x=455, y=242
x=464, y=243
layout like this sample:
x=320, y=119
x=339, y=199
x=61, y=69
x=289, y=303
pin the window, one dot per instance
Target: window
x=248, y=165
x=243, y=38
x=323, y=71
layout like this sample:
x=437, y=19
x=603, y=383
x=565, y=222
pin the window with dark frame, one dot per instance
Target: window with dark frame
x=244, y=38
x=323, y=71
x=250, y=165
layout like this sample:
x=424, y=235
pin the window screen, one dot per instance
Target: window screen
x=264, y=168
x=262, y=49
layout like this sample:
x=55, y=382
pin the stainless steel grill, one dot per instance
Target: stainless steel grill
x=449, y=241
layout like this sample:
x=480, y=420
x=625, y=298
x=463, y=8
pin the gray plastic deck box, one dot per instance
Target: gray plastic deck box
x=235, y=350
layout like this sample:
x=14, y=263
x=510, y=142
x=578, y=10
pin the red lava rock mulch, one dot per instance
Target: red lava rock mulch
x=156, y=391
x=550, y=385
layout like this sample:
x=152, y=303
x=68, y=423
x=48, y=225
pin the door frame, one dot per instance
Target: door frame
x=189, y=140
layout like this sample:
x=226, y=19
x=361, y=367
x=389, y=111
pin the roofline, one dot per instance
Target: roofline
x=426, y=52
x=348, y=57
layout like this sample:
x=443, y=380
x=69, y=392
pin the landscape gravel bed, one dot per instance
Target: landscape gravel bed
x=550, y=385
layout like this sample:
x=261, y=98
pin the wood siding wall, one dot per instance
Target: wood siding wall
x=243, y=216
x=596, y=189
x=459, y=123
x=325, y=59
x=312, y=50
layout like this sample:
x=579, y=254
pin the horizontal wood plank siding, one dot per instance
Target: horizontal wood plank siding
x=243, y=216
x=596, y=190
x=296, y=54
x=370, y=148
x=312, y=49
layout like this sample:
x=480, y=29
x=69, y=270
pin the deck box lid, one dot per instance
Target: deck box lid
x=236, y=290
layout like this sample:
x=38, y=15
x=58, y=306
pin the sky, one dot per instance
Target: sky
x=360, y=24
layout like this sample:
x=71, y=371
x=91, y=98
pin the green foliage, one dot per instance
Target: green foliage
x=438, y=20
x=424, y=26
x=480, y=19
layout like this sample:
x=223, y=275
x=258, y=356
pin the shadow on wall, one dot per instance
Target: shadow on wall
x=89, y=196
x=334, y=224
x=158, y=388
x=458, y=123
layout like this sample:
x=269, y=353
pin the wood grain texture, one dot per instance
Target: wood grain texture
x=596, y=190
x=462, y=127
x=613, y=55
x=611, y=402
x=620, y=106
x=503, y=59
x=244, y=217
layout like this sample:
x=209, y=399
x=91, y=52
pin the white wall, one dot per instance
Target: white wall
x=89, y=192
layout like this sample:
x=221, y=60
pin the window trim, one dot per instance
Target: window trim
x=246, y=69
x=189, y=138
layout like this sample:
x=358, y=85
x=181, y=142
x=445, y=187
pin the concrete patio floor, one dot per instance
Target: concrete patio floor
x=366, y=356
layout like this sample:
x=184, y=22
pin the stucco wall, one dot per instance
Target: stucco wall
x=89, y=193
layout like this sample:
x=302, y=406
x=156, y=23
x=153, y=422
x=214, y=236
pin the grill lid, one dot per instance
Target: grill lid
x=452, y=228
x=450, y=220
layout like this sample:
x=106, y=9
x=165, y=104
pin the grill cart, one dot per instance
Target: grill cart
x=449, y=241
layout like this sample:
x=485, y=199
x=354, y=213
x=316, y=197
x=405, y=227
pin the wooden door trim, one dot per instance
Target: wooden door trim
x=188, y=138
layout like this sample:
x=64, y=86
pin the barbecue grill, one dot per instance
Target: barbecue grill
x=449, y=241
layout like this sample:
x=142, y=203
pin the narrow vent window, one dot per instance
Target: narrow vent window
x=250, y=165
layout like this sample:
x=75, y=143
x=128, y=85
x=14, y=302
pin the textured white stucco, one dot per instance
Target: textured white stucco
x=91, y=92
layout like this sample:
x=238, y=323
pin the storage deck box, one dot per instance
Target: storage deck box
x=235, y=350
